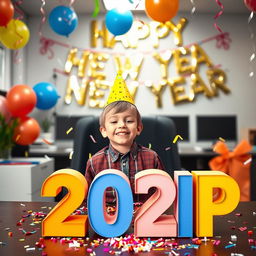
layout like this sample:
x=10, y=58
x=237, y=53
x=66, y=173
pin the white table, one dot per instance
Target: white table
x=22, y=182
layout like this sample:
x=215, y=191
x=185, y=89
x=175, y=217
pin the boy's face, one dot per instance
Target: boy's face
x=121, y=128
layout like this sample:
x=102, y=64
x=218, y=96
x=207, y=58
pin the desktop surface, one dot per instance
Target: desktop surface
x=23, y=221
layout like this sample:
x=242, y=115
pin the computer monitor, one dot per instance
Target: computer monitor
x=212, y=128
x=182, y=126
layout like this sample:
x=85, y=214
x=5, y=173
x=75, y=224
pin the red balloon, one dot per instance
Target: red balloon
x=161, y=10
x=21, y=99
x=6, y=12
x=251, y=5
x=27, y=131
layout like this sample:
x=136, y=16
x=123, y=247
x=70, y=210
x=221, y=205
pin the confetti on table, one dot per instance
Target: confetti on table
x=176, y=138
x=93, y=140
x=69, y=130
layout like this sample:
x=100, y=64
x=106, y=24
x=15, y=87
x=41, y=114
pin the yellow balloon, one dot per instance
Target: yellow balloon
x=15, y=35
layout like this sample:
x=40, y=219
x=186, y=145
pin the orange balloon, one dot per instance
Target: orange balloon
x=6, y=12
x=27, y=131
x=21, y=99
x=161, y=10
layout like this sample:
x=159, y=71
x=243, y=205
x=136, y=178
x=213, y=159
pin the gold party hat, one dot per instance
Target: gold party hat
x=119, y=91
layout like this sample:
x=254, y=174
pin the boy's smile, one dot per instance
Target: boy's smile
x=121, y=129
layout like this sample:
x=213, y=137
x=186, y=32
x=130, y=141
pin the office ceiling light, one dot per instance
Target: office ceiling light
x=131, y=5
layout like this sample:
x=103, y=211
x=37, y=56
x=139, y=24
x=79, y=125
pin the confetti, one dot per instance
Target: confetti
x=230, y=245
x=93, y=140
x=90, y=155
x=46, y=141
x=47, y=157
x=176, y=138
x=149, y=145
x=221, y=139
x=247, y=161
x=71, y=154
x=233, y=238
x=26, y=153
x=69, y=130
x=17, y=137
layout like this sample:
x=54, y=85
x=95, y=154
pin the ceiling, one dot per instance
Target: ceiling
x=32, y=7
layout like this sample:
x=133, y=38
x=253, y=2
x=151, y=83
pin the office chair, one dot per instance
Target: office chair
x=158, y=132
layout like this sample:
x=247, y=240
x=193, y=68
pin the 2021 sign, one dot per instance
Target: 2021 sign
x=191, y=193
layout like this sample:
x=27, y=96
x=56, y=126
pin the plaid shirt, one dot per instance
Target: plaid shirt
x=137, y=159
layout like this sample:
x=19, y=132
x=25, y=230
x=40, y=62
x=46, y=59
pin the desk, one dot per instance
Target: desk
x=22, y=182
x=12, y=212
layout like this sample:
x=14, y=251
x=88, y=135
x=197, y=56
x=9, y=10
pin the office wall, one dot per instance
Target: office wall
x=235, y=62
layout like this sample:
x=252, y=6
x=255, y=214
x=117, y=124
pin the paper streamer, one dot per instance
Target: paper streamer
x=252, y=57
x=96, y=8
x=42, y=11
x=218, y=15
x=193, y=7
x=17, y=8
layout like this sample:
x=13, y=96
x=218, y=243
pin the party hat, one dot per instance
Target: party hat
x=119, y=91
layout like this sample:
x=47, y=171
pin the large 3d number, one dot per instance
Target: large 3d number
x=102, y=223
x=59, y=222
x=148, y=219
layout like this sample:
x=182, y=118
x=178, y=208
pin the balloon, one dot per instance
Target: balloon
x=63, y=20
x=161, y=10
x=251, y=5
x=3, y=108
x=27, y=131
x=15, y=35
x=6, y=12
x=118, y=22
x=46, y=94
x=21, y=99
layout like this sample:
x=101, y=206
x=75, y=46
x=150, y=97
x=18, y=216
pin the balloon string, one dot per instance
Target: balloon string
x=96, y=8
x=43, y=18
x=16, y=58
x=218, y=15
x=18, y=9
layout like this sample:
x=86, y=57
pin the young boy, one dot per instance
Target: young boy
x=121, y=122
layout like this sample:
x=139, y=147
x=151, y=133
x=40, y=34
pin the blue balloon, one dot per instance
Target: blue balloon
x=118, y=22
x=46, y=94
x=63, y=20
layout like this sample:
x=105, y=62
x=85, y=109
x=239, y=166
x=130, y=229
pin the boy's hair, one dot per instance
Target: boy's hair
x=119, y=106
